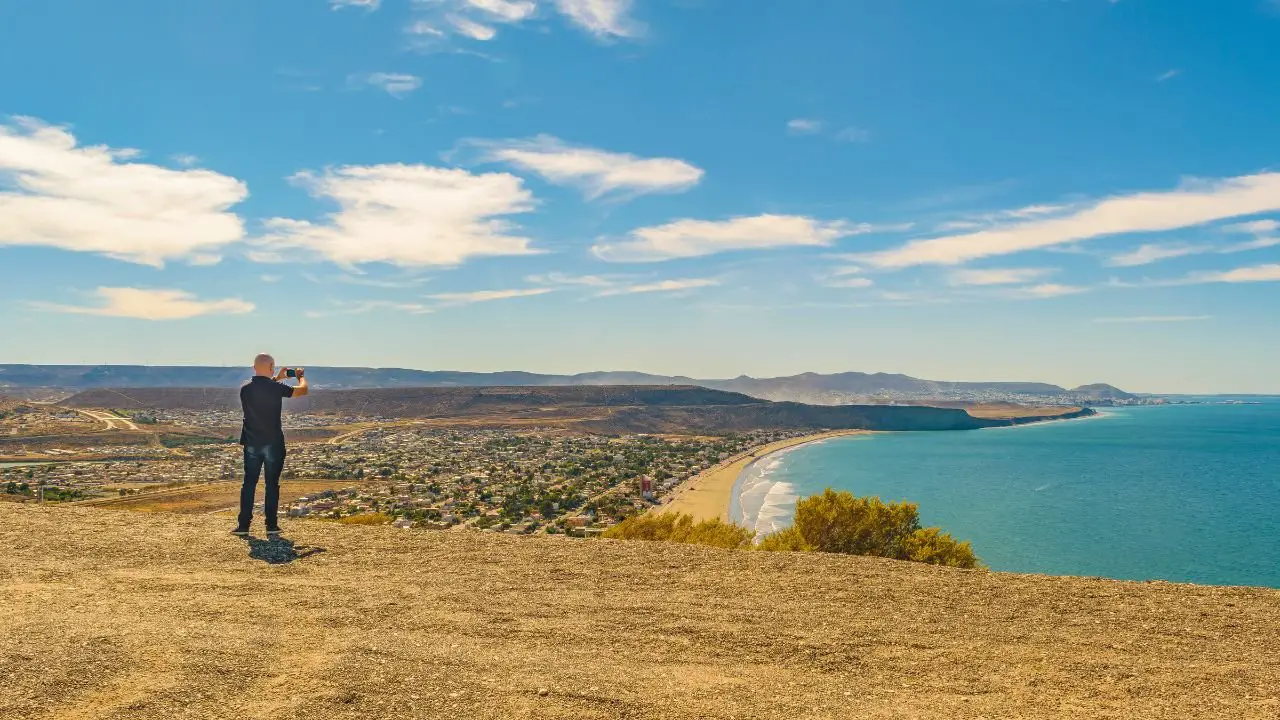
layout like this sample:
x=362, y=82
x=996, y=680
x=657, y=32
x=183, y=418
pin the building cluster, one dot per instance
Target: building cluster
x=232, y=418
x=419, y=476
x=519, y=482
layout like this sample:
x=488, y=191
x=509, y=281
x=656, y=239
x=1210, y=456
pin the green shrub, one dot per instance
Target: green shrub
x=680, y=528
x=838, y=522
x=931, y=545
x=366, y=519
x=789, y=540
x=834, y=522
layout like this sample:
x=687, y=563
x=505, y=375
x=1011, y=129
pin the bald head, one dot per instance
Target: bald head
x=264, y=365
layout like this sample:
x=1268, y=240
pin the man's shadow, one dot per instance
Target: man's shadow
x=278, y=551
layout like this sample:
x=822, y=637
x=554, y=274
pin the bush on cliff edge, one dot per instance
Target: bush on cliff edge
x=835, y=522
x=680, y=528
x=839, y=522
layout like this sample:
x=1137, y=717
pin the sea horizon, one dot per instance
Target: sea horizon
x=1181, y=493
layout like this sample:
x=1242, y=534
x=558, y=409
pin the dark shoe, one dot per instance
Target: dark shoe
x=240, y=531
x=273, y=530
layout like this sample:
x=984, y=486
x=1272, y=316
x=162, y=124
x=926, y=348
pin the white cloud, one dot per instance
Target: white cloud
x=602, y=18
x=422, y=27
x=1259, y=273
x=661, y=286
x=185, y=160
x=804, y=126
x=1046, y=290
x=467, y=298
x=850, y=282
x=564, y=280
x=471, y=28
x=397, y=85
x=1168, y=75
x=1147, y=254
x=407, y=215
x=596, y=172
x=998, y=276
x=1257, y=227
x=151, y=305
x=505, y=10
x=1154, y=319
x=370, y=5
x=694, y=238
x=1257, y=243
x=54, y=193
x=1194, y=204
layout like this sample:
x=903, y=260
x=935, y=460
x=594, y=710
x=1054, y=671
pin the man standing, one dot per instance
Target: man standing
x=263, y=437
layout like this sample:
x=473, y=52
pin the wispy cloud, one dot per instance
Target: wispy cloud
x=478, y=296
x=848, y=282
x=804, y=126
x=694, y=238
x=853, y=135
x=1147, y=254
x=661, y=286
x=142, y=304
x=397, y=85
x=812, y=126
x=369, y=5
x=436, y=20
x=1154, y=319
x=1256, y=227
x=470, y=28
x=1168, y=75
x=1259, y=273
x=406, y=215
x=566, y=280
x=998, y=276
x=1196, y=203
x=595, y=172
x=185, y=160
x=360, y=307
x=54, y=193
x=602, y=18
x=1045, y=290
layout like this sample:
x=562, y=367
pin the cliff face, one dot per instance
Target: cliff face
x=111, y=615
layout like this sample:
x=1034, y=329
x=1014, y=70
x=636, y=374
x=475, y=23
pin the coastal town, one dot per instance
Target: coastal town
x=417, y=476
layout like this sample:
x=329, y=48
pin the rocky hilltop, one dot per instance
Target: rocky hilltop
x=113, y=616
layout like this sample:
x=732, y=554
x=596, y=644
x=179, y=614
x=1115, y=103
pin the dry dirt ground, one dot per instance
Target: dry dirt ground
x=133, y=615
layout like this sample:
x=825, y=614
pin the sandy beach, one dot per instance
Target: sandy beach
x=708, y=494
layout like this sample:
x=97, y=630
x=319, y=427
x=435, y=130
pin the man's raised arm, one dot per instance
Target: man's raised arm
x=301, y=389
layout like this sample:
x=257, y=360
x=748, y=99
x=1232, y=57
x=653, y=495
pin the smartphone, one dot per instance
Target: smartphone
x=291, y=372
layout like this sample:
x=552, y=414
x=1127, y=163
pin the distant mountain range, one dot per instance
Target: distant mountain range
x=609, y=409
x=810, y=388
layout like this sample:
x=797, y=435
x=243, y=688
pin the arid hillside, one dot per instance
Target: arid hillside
x=110, y=615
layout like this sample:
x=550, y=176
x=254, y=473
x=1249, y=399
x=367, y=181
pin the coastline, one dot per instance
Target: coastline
x=709, y=494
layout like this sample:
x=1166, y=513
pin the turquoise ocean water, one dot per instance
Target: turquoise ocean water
x=1187, y=493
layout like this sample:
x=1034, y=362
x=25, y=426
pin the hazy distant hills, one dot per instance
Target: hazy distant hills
x=598, y=408
x=811, y=388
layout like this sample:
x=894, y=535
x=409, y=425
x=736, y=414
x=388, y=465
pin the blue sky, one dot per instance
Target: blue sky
x=1067, y=191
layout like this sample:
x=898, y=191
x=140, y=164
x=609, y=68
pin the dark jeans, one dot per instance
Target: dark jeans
x=255, y=458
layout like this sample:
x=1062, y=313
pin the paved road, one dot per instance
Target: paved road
x=113, y=422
